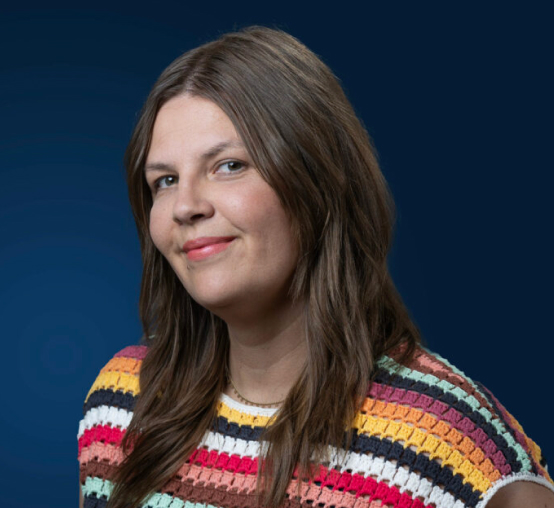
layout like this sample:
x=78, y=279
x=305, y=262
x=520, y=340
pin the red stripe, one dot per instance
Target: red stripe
x=344, y=482
x=328, y=478
x=101, y=433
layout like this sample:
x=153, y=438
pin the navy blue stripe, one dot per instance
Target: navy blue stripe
x=94, y=502
x=397, y=381
x=110, y=398
x=425, y=467
x=232, y=429
x=372, y=445
x=486, y=392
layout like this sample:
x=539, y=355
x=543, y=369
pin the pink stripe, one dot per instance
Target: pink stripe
x=336, y=489
x=334, y=485
x=378, y=494
x=452, y=416
x=215, y=476
x=136, y=352
x=519, y=436
x=101, y=452
x=366, y=488
x=437, y=366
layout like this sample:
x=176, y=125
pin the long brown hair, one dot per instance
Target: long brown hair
x=308, y=144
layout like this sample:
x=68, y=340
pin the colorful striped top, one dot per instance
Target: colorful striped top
x=427, y=436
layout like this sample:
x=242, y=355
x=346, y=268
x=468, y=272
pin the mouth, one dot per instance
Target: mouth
x=203, y=249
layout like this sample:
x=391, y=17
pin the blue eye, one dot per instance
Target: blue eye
x=233, y=166
x=158, y=184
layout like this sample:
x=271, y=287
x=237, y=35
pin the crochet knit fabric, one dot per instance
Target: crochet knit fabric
x=426, y=436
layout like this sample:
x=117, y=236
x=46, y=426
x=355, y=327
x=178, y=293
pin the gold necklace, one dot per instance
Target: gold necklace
x=249, y=402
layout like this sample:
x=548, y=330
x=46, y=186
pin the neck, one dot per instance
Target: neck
x=267, y=357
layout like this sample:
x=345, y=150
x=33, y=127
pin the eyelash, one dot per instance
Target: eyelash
x=242, y=164
x=159, y=180
x=162, y=178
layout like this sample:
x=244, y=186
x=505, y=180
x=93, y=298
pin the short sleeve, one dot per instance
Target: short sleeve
x=524, y=458
x=458, y=444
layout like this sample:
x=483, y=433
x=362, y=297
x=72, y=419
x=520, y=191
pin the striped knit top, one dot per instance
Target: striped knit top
x=426, y=436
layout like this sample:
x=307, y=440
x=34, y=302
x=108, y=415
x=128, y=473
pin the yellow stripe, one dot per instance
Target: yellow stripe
x=419, y=438
x=115, y=381
x=424, y=442
x=234, y=416
x=122, y=374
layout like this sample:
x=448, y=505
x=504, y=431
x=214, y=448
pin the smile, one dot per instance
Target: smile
x=208, y=250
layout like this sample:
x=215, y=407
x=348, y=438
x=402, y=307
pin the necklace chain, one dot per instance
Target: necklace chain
x=249, y=402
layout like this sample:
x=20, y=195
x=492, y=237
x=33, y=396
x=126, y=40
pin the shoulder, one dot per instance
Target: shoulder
x=107, y=412
x=118, y=380
x=117, y=383
x=447, y=431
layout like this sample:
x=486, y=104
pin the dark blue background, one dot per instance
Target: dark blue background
x=458, y=100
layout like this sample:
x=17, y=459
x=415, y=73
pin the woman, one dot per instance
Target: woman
x=280, y=366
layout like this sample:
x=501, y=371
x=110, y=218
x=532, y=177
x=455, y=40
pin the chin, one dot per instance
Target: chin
x=214, y=303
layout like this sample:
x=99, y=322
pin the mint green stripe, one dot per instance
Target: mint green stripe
x=166, y=501
x=522, y=456
x=100, y=487
x=393, y=367
x=474, y=403
x=447, y=363
x=456, y=371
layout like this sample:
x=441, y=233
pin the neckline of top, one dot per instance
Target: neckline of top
x=246, y=408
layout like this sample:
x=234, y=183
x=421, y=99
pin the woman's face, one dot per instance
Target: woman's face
x=204, y=185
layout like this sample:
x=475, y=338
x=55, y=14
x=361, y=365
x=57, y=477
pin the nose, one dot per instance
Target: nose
x=192, y=202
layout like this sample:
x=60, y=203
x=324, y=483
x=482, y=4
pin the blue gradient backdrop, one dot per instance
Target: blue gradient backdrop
x=458, y=100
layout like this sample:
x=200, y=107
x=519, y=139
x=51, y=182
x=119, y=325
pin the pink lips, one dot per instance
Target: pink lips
x=201, y=248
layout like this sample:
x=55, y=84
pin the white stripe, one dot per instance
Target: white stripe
x=383, y=470
x=355, y=463
x=230, y=445
x=246, y=409
x=105, y=415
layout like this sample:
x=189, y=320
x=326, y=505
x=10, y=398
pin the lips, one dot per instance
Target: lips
x=199, y=243
x=200, y=248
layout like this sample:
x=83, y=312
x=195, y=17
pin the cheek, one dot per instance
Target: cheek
x=275, y=227
x=261, y=212
x=158, y=228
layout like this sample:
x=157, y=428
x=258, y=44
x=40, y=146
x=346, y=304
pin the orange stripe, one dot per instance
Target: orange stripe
x=122, y=364
x=413, y=418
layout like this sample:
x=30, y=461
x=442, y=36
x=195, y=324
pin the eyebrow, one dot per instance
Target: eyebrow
x=208, y=154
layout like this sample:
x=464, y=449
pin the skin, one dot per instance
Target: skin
x=246, y=285
x=522, y=494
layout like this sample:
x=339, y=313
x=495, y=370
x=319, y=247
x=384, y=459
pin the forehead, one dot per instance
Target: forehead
x=190, y=125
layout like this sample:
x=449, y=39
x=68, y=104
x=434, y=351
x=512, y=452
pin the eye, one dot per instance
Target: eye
x=232, y=166
x=164, y=181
